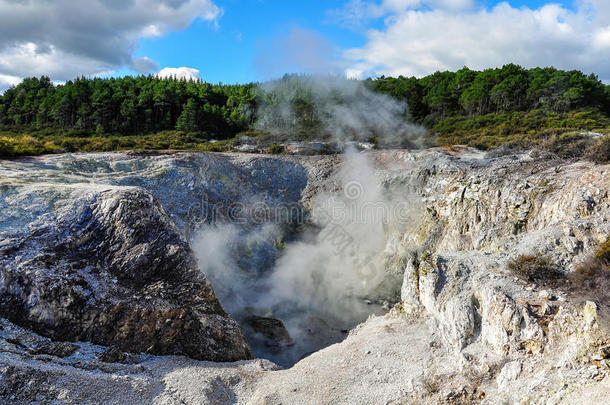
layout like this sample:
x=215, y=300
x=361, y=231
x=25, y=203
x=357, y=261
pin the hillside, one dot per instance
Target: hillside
x=485, y=109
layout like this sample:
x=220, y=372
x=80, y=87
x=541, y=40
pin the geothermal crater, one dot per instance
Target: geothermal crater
x=157, y=278
x=252, y=222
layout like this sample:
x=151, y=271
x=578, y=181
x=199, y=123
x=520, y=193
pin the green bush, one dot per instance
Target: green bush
x=276, y=149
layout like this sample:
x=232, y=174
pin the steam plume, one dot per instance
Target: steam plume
x=323, y=278
x=332, y=106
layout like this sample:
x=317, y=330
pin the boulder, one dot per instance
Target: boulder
x=272, y=331
x=105, y=264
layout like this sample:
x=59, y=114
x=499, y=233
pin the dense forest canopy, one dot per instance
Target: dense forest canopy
x=511, y=88
x=480, y=108
x=128, y=105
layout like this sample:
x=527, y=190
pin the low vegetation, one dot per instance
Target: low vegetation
x=577, y=145
x=13, y=145
x=535, y=268
x=561, y=111
x=276, y=149
x=603, y=253
x=522, y=129
x=599, y=151
x=593, y=275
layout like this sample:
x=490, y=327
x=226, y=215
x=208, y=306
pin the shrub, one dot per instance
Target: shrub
x=603, y=253
x=276, y=149
x=534, y=268
x=568, y=145
x=210, y=147
x=599, y=152
x=6, y=147
x=593, y=272
x=25, y=145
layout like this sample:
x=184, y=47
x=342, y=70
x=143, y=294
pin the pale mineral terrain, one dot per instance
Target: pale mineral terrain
x=109, y=293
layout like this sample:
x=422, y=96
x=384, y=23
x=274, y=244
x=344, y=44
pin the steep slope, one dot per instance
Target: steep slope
x=106, y=265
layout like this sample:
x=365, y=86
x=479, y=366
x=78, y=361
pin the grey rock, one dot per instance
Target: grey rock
x=112, y=269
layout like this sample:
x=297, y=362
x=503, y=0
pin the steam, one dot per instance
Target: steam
x=330, y=278
x=296, y=49
x=336, y=107
x=337, y=267
x=338, y=264
x=236, y=259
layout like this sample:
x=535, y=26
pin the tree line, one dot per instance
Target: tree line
x=507, y=89
x=127, y=106
x=146, y=104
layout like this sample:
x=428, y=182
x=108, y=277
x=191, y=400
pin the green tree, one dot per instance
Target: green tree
x=189, y=120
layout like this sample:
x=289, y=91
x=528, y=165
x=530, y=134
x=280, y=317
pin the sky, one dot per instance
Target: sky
x=238, y=41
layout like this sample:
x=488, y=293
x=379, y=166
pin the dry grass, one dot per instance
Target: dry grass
x=599, y=152
x=594, y=272
x=534, y=268
x=603, y=253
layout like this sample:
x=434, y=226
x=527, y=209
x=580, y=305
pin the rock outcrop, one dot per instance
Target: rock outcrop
x=95, y=246
x=106, y=265
x=478, y=215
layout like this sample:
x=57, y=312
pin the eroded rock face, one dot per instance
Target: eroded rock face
x=107, y=265
x=269, y=331
x=95, y=246
x=471, y=202
x=480, y=214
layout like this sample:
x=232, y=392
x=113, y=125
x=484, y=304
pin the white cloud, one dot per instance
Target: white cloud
x=418, y=39
x=185, y=73
x=7, y=81
x=67, y=38
x=355, y=13
x=602, y=38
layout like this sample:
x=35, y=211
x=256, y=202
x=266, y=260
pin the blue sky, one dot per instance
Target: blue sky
x=236, y=41
x=228, y=52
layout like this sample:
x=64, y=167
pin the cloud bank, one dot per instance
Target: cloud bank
x=179, y=73
x=419, y=37
x=64, y=38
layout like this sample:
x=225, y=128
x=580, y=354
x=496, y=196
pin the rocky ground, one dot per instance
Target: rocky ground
x=100, y=287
